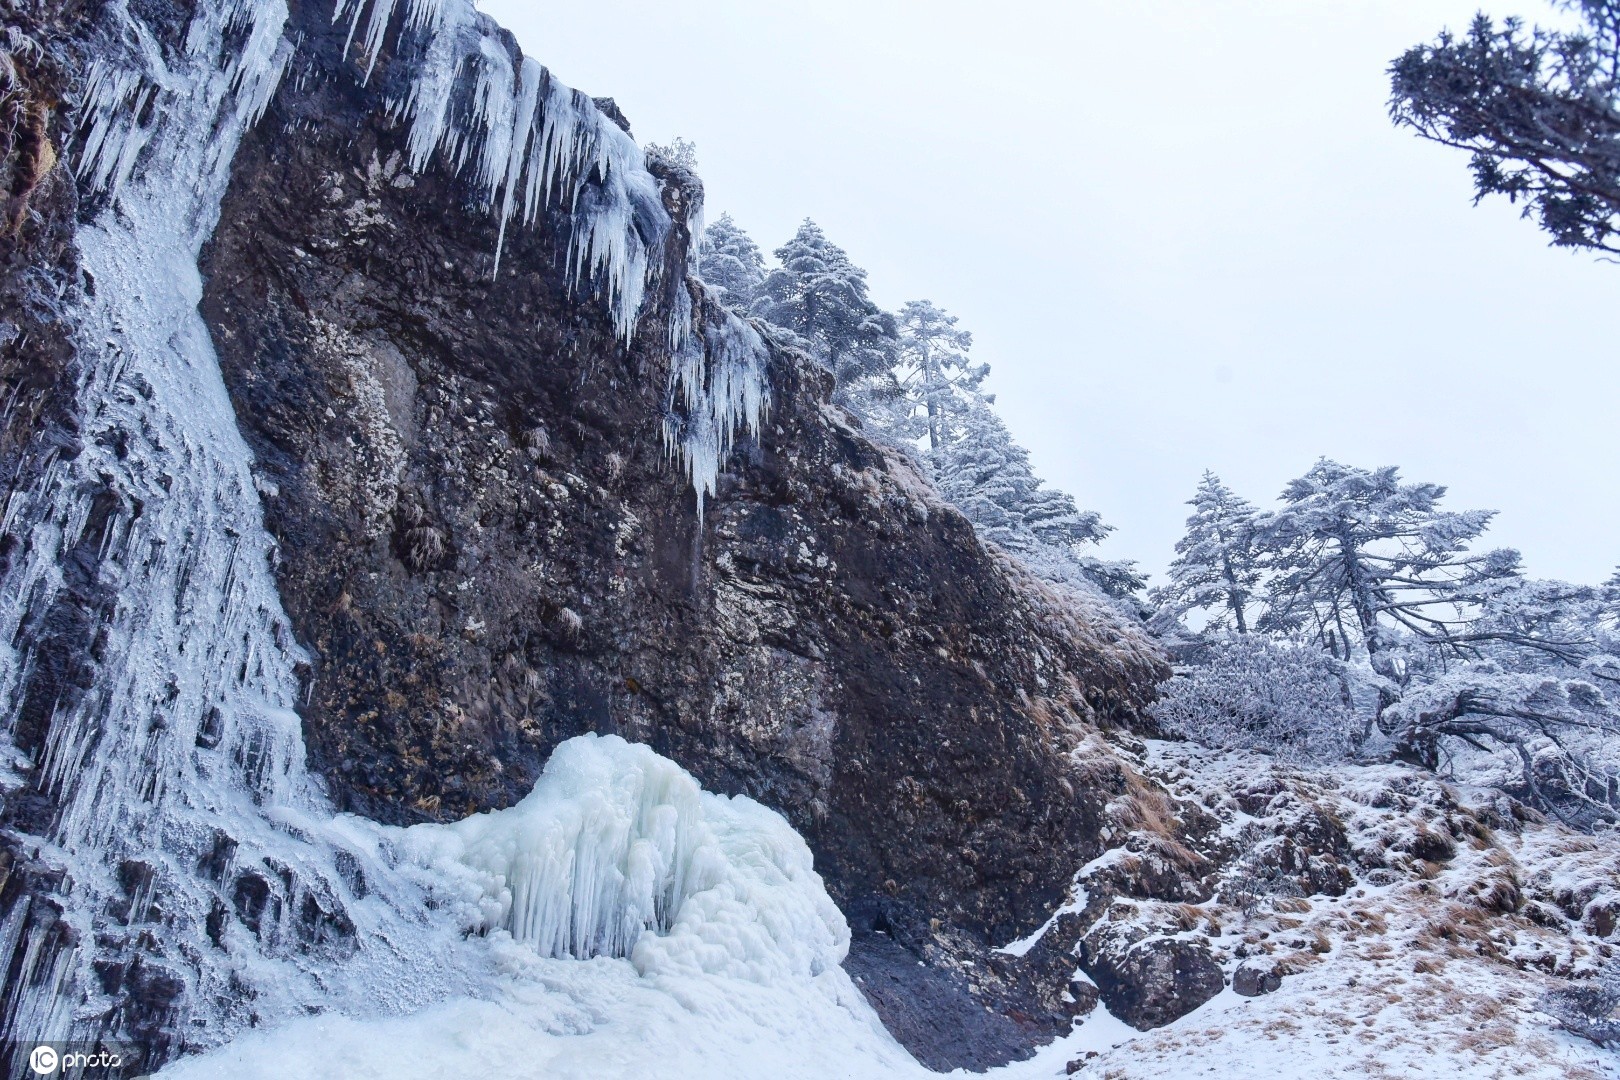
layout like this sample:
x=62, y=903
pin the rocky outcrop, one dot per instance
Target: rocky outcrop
x=1148, y=979
x=486, y=551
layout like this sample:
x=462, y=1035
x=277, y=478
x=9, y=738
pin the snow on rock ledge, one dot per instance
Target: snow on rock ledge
x=619, y=852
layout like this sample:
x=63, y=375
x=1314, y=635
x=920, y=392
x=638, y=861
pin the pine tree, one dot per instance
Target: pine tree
x=1539, y=110
x=988, y=476
x=1217, y=565
x=730, y=262
x=1365, y=561
x=935, y=372
x=818, y=294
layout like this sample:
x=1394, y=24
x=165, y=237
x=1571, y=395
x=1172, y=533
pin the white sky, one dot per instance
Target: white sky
x=1183, y=232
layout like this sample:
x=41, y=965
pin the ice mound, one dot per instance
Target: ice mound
x=619, y=852
x=633, y=925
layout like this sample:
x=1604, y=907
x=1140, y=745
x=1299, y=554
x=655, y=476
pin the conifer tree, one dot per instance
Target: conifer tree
x=1364, y=560
x=818, y=294
x=1537, y=109
x=730, y=262
x=935, y=371
x=1217, y=564
x=988, y=476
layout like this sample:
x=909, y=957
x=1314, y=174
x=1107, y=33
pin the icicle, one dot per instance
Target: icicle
x=721, y=386
x=534, y=143
x=188, y=734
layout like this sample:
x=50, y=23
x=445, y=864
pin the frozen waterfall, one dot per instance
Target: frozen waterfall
x=175, y=782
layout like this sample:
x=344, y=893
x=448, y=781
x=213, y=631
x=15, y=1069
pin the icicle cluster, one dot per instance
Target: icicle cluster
x=720, y=384
x=526, y=142
x=178, y=777
x=619, y=852
x=529, y=142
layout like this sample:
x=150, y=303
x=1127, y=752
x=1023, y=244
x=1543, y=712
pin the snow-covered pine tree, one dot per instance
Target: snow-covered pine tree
x=988, y=476
x=935, y=371
x=1364, y=561
x=1217, y=564
x=1537, y=690
x=1539, y=110
x=731, y=262
x=818, y=294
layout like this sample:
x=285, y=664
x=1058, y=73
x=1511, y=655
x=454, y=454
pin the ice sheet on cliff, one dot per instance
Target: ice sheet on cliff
x=178, y=776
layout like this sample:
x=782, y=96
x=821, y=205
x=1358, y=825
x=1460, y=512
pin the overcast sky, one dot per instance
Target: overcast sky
x=1183, y=232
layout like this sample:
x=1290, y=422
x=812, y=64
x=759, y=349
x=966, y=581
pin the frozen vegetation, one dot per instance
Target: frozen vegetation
x=1358, y=617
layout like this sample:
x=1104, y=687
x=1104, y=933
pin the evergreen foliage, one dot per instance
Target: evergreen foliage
x=1452, y=658
x=1252, y=693
x=731, y=262
x=820, y=295
x=1217, y=563
x=1538, y=110
x=935, y=372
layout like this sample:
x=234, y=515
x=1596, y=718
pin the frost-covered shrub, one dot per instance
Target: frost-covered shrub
x=1555, y=737
x=1256, y=876
x=1252, y=693
x=1588, y=1009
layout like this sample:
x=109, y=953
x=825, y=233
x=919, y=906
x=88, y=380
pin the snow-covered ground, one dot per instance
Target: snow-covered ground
x=1426, y=967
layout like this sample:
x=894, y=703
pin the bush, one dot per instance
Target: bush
x=1249, y=693
x=1588, y=1009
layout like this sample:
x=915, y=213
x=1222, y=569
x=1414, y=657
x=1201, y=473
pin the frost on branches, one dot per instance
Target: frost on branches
x=1291, y=700
x=1458, y=661
x=1217, y=563
x=912, y=382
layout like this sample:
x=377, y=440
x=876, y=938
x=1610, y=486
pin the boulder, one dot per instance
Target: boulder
x=1149, y=980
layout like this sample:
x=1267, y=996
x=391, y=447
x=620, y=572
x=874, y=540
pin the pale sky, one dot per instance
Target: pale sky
x=1183, y=232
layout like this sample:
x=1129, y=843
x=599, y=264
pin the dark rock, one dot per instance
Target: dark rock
x=931, y=1010
x=1148, y=980
x=1253, y=979
x=486, y=552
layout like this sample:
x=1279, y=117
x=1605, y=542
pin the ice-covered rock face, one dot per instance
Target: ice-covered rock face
x=619, y=852
x=168, y=779
x=528, y=143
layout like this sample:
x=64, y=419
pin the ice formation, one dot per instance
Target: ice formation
x=528, y=143
x=179, y=774
x=639, y=926
x=720, y=383
x=178, y=777
x=619, y=852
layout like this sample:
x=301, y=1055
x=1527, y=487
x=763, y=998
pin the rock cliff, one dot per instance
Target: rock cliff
x=484, y=548
x=487, y=550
